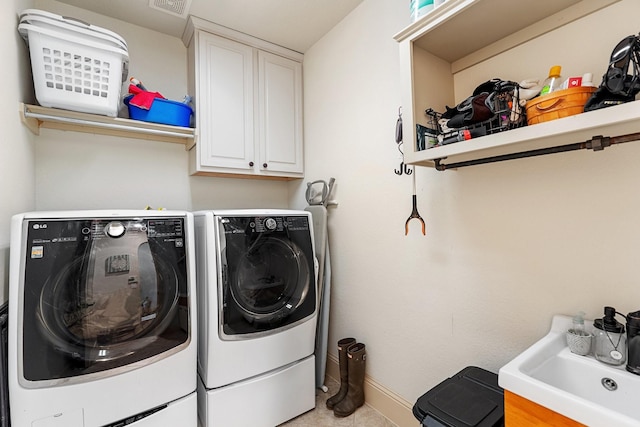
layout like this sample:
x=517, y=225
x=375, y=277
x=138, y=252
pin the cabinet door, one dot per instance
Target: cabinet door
x=225, y=97
x=280, y=120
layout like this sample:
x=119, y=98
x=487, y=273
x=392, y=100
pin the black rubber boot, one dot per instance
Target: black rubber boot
x=356, y=356
x=343, y=345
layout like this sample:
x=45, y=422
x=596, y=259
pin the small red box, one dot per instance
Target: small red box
x=574, y=82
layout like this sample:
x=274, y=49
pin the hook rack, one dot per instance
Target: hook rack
x=404, y=168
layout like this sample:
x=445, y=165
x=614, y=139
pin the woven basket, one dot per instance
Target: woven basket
x=559, y=104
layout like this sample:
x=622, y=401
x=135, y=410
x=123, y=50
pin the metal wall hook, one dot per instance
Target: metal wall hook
x=404, y=168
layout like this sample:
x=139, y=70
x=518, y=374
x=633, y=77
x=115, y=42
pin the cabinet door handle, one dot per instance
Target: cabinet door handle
x=251, y=164
x=264, y=165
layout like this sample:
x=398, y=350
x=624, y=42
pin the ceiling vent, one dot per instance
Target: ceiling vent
x=173, y=7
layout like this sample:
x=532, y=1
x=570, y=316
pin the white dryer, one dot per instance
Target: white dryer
x=257, y=316
x=100, y=319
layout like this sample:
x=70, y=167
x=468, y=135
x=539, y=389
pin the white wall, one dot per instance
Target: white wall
x=508, y=245
x=16, y=149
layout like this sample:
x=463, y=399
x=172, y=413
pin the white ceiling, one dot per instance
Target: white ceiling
x=294, y=24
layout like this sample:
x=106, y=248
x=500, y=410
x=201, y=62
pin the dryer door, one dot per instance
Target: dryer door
x=268, y=279
x=100, y=295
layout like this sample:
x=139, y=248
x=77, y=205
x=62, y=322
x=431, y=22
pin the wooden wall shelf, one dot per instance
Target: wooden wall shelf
x=36, y=117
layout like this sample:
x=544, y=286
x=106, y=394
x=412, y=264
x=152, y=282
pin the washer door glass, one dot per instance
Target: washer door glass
x=267, y=274
x=271, y=280
x=96, y=300
x=99, y=309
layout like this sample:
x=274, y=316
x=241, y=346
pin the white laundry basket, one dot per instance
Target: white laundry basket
x=76, y=66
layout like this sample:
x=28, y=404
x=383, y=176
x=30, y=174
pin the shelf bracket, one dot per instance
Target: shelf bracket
x=32, y=123
x=596, y=143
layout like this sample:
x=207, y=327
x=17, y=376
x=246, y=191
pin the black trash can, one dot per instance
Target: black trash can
x=471, y=398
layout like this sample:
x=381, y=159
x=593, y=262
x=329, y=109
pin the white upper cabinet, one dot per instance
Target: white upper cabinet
x=280, y=109
x=248, y=98
x=224, y=103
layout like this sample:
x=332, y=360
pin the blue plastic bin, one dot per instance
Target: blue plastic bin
x=162, y=111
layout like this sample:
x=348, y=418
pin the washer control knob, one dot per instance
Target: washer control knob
x=115, y=229
x=270, y=223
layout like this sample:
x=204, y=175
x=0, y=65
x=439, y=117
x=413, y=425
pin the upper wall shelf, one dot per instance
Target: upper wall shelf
x=462, y=33
x=36, y=117
x=466, y=32
x=613, y=121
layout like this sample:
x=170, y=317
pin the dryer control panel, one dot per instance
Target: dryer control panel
x=279, y=223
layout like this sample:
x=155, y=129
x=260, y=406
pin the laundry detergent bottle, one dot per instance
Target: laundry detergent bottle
x=610, y=339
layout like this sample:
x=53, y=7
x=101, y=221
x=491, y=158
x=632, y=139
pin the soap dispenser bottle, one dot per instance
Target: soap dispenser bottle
x=579, y=340
x=610, y=339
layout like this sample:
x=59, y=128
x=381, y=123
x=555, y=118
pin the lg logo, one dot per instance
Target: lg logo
x=38, y=226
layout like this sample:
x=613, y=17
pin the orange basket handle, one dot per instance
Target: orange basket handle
x=550, y=105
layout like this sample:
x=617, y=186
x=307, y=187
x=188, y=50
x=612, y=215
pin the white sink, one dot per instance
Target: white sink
x=548, y=374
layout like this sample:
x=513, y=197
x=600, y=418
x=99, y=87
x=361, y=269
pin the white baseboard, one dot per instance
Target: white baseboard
x=383, y=400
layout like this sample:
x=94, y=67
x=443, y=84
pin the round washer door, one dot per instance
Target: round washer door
x=100, y=297
x=104, y=313
x=271, y=280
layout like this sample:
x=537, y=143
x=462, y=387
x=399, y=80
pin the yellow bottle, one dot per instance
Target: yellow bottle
x=552, y=82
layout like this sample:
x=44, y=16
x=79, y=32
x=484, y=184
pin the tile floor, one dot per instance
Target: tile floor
x=365, y=416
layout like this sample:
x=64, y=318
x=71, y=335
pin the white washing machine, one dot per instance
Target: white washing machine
x=257, y=316
x=100, y=319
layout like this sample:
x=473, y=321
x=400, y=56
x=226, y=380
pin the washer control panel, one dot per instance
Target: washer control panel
x=278, y=223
